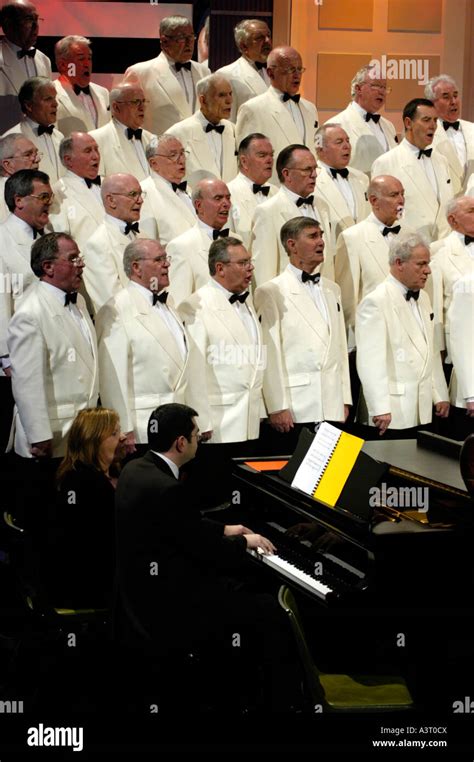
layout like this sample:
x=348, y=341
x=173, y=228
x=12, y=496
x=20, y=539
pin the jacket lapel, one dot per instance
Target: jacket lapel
x=152, y=322
x=302, y=301
x=408, y=320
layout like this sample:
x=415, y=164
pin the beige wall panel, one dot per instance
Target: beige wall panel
x=412, y=16
x=403, y=88
x=346, y=14
x=334, y=72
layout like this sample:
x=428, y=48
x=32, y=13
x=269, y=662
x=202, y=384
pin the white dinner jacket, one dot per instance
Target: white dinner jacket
x=246, y=83
x=270, y=258
x=399, y=370
x=117, y=153
x=450, y=262
x=423, y=212
x=140, y=364
x=307, y=368
x=171, y=214
x=460, y=174
x=12, y=75
x=200, y=158
x=233, y=362
x=168, y=103
x=268, y=114
x=340, y=215
x=72, y=116
x=244, y=204
x=460, y=316
x=76, y=209
x=365, y=146
x=54, y=369
x=54, y=169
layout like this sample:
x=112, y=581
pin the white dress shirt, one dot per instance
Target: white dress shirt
x=295, y=113
x=185, y=197
x=121, y=225
x=137, y=144
x=374, y=127
x=427, y=165
x=214, y=139
x=457, y=139
x=185, y=80
x=259, y=197
x=314, y=289
x=167, y=317
x=470, y=247
x=305, y=210
x=412, y=303
x=73, y=310
x=45, y=144
x=344, y=187
x=243, y=312
x=169, y=463
x=28, y=63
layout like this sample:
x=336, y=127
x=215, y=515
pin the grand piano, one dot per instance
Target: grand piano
x=370, y=553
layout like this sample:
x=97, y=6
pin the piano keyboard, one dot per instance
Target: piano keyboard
x=291, y=572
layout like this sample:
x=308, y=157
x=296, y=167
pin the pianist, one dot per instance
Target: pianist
x=174, y=568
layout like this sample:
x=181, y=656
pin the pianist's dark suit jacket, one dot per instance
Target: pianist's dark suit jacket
x=171, y=563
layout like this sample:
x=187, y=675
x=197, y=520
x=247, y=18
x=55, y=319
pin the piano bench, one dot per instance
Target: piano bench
x=343, y=693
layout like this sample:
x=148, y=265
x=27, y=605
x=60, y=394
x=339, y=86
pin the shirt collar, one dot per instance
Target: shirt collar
x=391, y=278
x=414, y=149
x=173, y=466
x=206, y=228
x=292, y=196
x=58, y=293
x=25, y=226
x=203, y=120
x=120, y=224
x=144, y=291
x=359, y=109
x=298, y=273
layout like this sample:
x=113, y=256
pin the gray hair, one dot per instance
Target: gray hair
x=46, y=249
x=320, y=136
x=170, y=23
x=292, y=229
x=359, y=78
x=219, y=251
x=431, y=85
x=63, y=46
x=7, y=147
x=66, y=146
x=117, y=92
x=134, y=252
x=242, y=32
x=402, y=246
x=156, y=142
x=21, y=184
x=28, y=89
x=206, y=83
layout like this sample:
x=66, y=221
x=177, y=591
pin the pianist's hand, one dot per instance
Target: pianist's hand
x=442, y=409
x=470, y=409
x=256, y=541
x=382, y=422
x=231, y=530
x=281, y=421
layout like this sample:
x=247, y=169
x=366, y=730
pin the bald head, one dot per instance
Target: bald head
x=127, y=103
x=215, y=97
x=460, y=214
x=211, y=200
x=80, y=154
x=122, y=197
x=387, y=198
x=285, y=69
x=19, y=20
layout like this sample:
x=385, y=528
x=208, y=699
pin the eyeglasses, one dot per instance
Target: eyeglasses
x=133, y=195
x=136, y=102
x=174, y=156
x=180, y=38
x=158, y=260
x=45, y=198
x=28, y=155
x=31, y=19
x=291, y=69
x=382, y=88
x=304, y=170
x=245, y=263
x=76, y=261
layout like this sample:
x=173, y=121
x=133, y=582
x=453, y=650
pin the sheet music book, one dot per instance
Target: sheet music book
x=327, y=465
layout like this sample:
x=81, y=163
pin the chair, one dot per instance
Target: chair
x=343, y=693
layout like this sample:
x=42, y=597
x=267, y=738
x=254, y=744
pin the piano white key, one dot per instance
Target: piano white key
x=344, y=565
x=293, y=573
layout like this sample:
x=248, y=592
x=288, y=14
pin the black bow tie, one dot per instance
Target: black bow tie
x=217, y=127
x=220, y=233
x=161, y=298
x=238, y=297
x=131, y=226
x=30, y=53
x=468, y=239
x=179, y=186
x=186, y=65
x=265, y=189
x=454, y=125
x=396, y=229
x=412, y=295
x=424, y=152
x=343, y=172
x=70, y=298
x=95, y=181
x=308, y=201
x=78, y=89
x=137, y=134
x=288, y=97
x=375, y=117
x=37, y=232
x=49, y=129
x=313, y=278
x=259, y=65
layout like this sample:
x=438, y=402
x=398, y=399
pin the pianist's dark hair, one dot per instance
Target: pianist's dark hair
x=21, y=184
x=167, y=423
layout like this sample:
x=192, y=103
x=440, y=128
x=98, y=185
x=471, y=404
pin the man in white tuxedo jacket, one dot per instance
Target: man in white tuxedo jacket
x=82, y=105
x=399, y=368
x=19, y=58
x=454, y=137
x=169, y=81
x=251, y=187
x=361, y=261
x=167, y=201
x=104, y=275
x=248, y=74
x=371, y=135
x=16, y=152
x=460, y=316
x=146, y=358
x=208, y=136
x=123, y=141
x=453, y=258
x=28, y=195
x=343, y=188
x=78, y=208
x=281, y=113
x=306, y=378
x=53, y=351
x=37, y=98
x=423, y=172
x=296, y=169
x=189, y=252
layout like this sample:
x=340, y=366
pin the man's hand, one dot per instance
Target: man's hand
x=470, y=409
x=230, y=530
x=129, y=443
x=42, y=449
x=259, y=543
x=346, y=411
x=282, y=421
x=206, y=435
x=8, y=371
x=382, y=422
x=442, y=409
